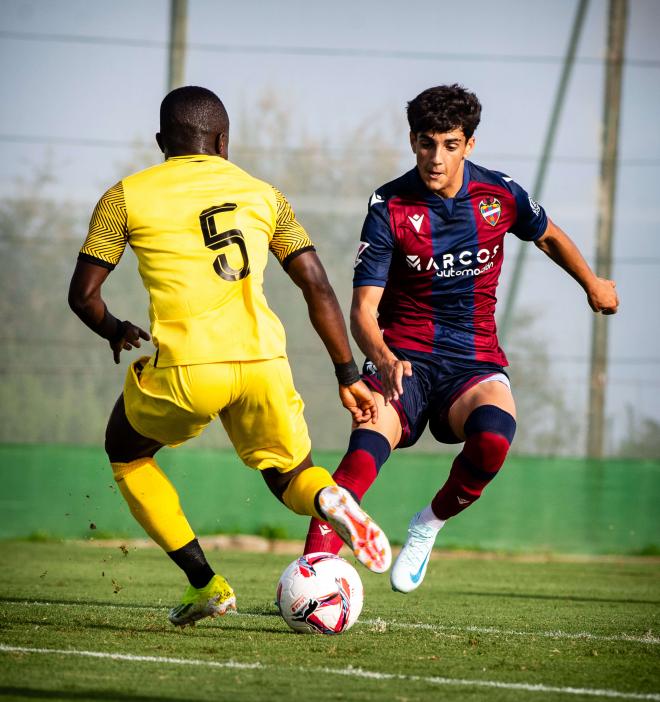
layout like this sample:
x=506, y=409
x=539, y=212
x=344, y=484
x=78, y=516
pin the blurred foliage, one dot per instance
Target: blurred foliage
x=546, y=425
x=48, y=393
x=59, y=379
x=643, y=440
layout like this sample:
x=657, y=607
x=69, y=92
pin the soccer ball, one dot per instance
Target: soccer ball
x=320, y=593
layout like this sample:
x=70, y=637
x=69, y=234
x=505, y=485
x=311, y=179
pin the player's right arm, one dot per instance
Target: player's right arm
x=295, y=251
x=557, y=245
x=98, y=256
x=372, y=267
x=368, y=336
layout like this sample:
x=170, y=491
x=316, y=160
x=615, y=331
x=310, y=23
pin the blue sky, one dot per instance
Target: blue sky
x=76, y=71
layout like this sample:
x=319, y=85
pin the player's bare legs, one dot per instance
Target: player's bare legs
x=388, y=423
x=484, y=418
x=492, y=393
x=122, y=442
x=350, y=524
x=369, y=447
x=154, y=503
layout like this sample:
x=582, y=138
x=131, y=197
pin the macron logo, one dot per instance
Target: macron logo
x=414, y=262
x=462, y=501
x=324, y=529
x=375, y=199
x=416, y=220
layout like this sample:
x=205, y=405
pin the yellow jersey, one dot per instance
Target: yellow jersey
x=201, y=229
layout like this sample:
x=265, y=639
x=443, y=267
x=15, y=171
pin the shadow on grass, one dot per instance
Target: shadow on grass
x=560, y=598
x=206, y=629
x=239, y=622
x=82, y=603
x=18, y=693
x=256, y=611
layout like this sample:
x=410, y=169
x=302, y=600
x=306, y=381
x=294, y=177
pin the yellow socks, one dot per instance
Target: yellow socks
x=154, y=502
x=301, y=491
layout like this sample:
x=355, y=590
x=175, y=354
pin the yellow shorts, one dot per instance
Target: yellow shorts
x=256, y=401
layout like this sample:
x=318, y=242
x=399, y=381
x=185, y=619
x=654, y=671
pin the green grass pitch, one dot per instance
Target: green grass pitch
x=89, y=623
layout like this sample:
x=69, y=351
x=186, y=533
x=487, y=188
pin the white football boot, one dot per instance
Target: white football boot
x=410, y=565
x=356, y=528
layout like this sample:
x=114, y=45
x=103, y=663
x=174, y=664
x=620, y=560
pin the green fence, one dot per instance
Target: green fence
x=535, y=504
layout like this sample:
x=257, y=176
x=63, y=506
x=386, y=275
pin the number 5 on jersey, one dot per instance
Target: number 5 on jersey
x=215, y=242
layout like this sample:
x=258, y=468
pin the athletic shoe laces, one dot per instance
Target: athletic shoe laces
x=420, y=540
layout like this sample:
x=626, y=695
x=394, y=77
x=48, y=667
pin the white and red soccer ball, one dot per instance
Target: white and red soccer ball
x=320, y=593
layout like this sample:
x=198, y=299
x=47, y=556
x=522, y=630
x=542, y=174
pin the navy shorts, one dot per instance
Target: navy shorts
x=430, y=391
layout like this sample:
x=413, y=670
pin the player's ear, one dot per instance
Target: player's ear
x=159, y=141
x=222, y=144
x=469, y=145
x=413, y=142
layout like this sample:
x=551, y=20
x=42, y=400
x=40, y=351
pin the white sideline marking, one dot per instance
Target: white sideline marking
x=131, y=657
x=580, y=635
x=646, y=638
x=347, y=672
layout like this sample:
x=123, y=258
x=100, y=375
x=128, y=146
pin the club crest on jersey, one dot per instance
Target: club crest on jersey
x=491, y=209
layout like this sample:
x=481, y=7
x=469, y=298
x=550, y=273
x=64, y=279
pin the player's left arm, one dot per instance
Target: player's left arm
x=601, y=293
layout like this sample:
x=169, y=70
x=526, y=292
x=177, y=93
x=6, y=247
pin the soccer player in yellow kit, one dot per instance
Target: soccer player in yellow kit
x=201, y=229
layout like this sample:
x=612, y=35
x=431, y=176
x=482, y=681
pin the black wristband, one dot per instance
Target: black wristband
x=347, y=373
x=119, y=332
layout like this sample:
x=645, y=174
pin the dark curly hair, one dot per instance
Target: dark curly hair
x=444, y=108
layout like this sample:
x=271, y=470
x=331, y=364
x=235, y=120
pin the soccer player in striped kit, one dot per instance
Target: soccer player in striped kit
x=423, y=312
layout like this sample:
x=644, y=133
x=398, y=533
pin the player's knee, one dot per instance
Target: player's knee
x=489, y=431
x=278, y=481
x=114, y=444
x=122, y=443
x=110, y=449
x=113, y=447
x=116, y=447
x=122, y=449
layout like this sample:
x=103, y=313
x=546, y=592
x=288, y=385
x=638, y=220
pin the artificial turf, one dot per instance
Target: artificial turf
x=75, y=618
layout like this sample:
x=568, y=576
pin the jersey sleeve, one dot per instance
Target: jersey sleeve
x=108, y=230
x=374, y=255
x=289, y=238
x=531, y=220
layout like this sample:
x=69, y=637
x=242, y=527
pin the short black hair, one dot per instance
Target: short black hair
x=191, y=112
x=444, y=108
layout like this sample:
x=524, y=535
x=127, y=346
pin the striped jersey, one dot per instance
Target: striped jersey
x=201, y=229
x=439, y=260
